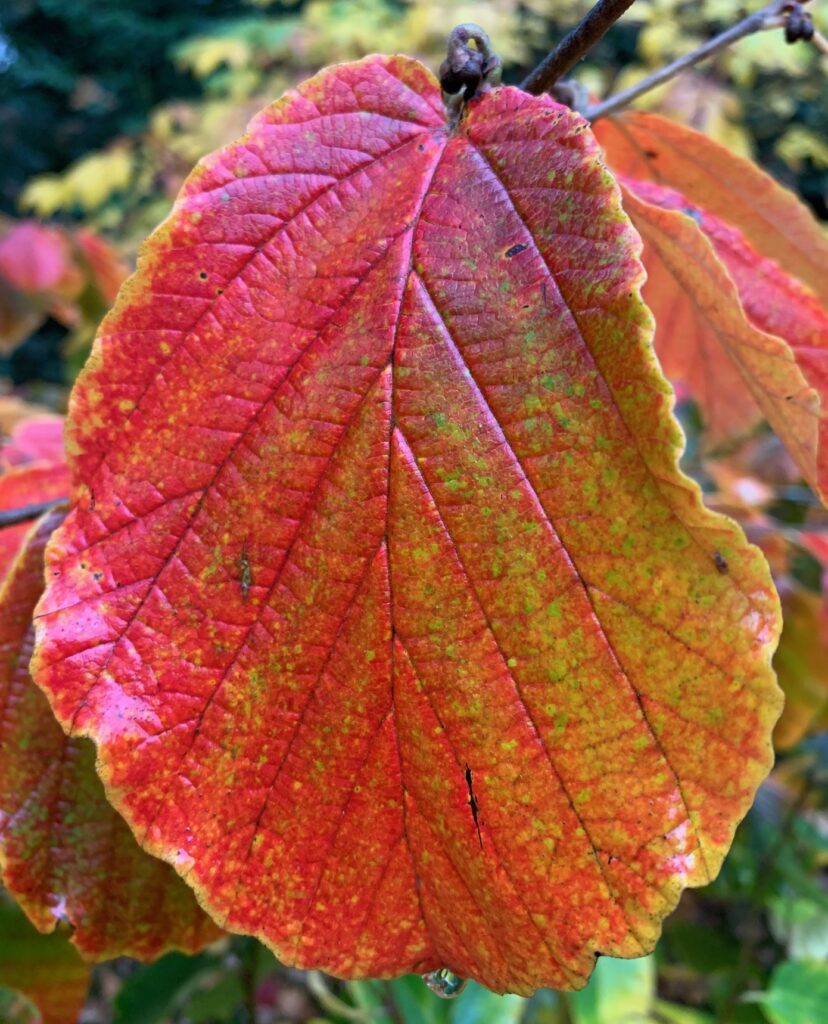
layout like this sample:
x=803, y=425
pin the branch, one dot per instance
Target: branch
x=13, y=516
x=773, y=16
x=820, y=42
x=575, y=45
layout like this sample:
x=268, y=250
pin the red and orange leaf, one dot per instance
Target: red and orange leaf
x=67, y=856
x=27, y=484
x=771, y=219
x=44, y=968
x=693, y=332
x=398, y=629
x=749, y=319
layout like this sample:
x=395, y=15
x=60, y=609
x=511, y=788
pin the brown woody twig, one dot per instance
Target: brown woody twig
x=820, y=42
x=592, y=27
x=787, y=13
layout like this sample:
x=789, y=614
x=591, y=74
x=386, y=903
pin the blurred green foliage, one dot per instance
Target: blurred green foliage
x=76, y=76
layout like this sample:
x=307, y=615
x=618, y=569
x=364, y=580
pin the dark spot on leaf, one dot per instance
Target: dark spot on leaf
x=421, y=147
x=721, y=562
x=651, y=153
x=246, y=576
x=203, y=275
x=473, y=805
x=514, y=250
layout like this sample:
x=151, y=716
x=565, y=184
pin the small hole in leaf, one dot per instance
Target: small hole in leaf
x=203, y=275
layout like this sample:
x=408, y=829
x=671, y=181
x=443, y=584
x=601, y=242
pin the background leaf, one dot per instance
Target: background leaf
x=771, y=218
x=798, y=993
x=751, y=317
x=46, y=968
x=620, y=992
x=65, y=853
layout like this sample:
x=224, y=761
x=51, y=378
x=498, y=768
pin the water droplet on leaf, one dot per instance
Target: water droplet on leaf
x=445, y=983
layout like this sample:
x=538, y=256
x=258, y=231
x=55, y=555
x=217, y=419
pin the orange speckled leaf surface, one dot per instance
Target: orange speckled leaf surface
x=398, y=629
x=67, y=857
x=755, y=334
x=770, y=218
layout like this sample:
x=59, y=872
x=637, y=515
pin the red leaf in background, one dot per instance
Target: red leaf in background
x=32, y=470
x=19, y=317
x=108, y=270
x=398, y=629
x=39, y=438
x=72, y=276
x=66, y=854
x=764, y=340
x=770, y=218
x=24, y=485
x=698, y=320
x=35, y=258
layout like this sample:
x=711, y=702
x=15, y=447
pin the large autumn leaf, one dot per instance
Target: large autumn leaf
x=771, y=219
x=742, y=333
x=398, y=629
x=66, y=855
